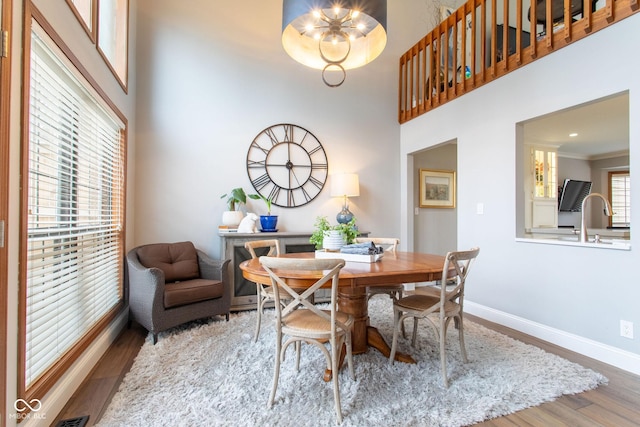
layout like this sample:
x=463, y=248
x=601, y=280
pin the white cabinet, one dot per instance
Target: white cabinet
x=542, y=182
x=544, y=214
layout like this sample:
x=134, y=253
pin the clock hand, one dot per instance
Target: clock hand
x=295, y=176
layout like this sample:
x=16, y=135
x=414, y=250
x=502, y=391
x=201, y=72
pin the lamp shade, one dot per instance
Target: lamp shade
x=346, y=34
x=345, y=184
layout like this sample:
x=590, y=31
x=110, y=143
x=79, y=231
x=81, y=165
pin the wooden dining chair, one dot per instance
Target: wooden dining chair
x=264, y=293
x=301, y=321
x=390, y=245
x=447, y=305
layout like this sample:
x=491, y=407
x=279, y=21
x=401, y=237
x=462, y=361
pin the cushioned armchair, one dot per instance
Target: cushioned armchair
x=174, y=283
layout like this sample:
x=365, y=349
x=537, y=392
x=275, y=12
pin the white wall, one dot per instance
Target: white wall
x=435, y=229
x=577, y=295
x=212, y=78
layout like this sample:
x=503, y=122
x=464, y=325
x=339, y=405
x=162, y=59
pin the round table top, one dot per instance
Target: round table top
x=401, y=267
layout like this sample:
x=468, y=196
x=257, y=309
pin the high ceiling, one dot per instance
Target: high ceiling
x=602, y=127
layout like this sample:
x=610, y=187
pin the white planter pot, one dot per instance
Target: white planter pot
x=232, y=218
x=333, y=240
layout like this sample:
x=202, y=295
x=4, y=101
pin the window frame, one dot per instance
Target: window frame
x=5, y=87
x=49, y=378
x=122, y=51
x=89, y=27
x=610, y=177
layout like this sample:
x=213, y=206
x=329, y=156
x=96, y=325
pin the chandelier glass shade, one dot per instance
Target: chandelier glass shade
x=334, y=35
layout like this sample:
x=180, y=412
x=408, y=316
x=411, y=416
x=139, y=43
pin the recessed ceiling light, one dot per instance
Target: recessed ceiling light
x=573, y=135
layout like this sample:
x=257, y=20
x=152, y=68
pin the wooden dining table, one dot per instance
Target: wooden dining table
x=355, y=277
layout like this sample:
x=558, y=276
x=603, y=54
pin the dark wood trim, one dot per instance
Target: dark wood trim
x=24, y=185
x=39, y=17
x=91, y=32
x=5, y=116
x=124, y=80
x=49, y=378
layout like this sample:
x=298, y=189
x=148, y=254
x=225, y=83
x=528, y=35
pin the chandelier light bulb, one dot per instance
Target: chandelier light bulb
x=334, y=35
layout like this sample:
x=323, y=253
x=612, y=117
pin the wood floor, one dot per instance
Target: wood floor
x=615, y=404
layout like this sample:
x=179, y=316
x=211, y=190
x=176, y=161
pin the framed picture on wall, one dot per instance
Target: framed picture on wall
x=437, y=188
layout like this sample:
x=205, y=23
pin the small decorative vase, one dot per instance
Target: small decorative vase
x=268, y=222
x=333, y=240
x=232, y=218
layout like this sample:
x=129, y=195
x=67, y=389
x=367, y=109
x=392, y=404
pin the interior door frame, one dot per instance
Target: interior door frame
x=5, y=84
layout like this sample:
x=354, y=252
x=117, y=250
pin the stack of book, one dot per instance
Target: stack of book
x=227, y=229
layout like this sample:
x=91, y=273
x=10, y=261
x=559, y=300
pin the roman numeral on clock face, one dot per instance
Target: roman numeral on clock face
x=290, y=158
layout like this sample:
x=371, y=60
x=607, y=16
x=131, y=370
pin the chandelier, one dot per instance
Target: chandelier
x=334, y=35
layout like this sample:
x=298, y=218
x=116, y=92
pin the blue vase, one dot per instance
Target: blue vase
x=268, y=222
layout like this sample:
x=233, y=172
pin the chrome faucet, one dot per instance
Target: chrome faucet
x=607, y=211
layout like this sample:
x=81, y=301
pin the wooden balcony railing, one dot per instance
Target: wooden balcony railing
x=479, y=36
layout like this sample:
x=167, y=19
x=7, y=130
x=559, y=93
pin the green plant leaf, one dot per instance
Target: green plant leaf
x=266, y=200
x=322, y=225
x=237, y=196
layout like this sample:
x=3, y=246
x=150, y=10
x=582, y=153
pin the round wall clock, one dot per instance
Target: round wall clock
x=287, y=164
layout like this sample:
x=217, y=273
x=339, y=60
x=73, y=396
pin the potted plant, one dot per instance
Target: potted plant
x=232, y=217
x=268, y=222
x=338, y=235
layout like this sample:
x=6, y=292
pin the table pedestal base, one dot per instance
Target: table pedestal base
x=353, y=301
x=376, y=340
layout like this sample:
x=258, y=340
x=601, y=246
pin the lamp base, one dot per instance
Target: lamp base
x=344, y=216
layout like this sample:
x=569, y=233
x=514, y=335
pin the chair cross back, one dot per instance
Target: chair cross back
x=448, y=303
x=461, y=262
x=272, y=244
x=264, y=293
x=294, y=298
x=302, y=322
x=390, y=245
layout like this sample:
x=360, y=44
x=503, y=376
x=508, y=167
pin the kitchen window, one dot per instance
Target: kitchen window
x=620, y=198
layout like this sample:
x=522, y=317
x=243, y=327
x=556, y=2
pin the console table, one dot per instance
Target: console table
x=244, y=291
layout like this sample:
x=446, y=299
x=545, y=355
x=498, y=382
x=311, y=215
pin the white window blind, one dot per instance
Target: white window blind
x=621, y=199
x=75, y=208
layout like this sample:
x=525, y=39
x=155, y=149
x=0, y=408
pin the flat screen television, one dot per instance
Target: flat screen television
x=572, y=193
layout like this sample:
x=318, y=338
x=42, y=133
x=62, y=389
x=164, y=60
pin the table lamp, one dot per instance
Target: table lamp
x=345, y=185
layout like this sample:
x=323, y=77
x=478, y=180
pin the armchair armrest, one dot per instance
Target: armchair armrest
x=213, y=269
x=146, y=286
x=216, y=269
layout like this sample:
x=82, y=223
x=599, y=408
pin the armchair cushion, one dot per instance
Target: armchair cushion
x=178, y=261
x=190, y=291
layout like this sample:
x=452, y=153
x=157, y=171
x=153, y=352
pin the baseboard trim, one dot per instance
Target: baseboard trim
x=619, y=358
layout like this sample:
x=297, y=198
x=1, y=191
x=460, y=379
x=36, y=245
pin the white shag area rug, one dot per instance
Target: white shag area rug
x=213, y=374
